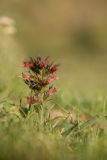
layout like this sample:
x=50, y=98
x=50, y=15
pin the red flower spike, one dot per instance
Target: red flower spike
x=53, y=91
x=27, y=64
x=38, y=77
x=30, y=100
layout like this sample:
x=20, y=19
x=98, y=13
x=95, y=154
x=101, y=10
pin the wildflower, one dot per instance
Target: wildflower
x=52, y=78
x=27, y=64
x=45, y=82
x=41, y=65
x=54, y=68
x=30, y=100
x=26, y=76
x=38, y=76
x=53, y=91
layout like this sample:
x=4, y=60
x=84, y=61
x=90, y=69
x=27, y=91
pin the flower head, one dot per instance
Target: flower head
x=38, y=76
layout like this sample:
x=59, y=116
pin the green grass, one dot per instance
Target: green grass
x=80, y=134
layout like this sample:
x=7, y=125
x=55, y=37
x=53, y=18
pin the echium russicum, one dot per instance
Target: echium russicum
x=38, y=76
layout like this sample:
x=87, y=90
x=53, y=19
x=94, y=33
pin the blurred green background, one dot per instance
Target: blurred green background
x=72, y=32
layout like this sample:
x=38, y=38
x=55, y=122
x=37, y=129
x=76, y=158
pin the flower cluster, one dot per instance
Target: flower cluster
x=39, y=75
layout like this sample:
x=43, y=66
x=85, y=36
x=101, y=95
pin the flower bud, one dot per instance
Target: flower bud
x=30, y=100
x=26, y=76
x=53, y=91
x=27, y=64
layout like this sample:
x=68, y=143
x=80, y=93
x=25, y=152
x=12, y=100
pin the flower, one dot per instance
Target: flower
x=38, y=75
x=26, y=76
x=53, y=91
x=52, y=78
x=30, y=100
x=27, y=64
x=54, y=68
x=41, y=65
x=45, y=82
x=44, y=63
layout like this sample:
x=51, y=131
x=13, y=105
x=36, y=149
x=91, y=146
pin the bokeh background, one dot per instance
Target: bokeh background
x=72, y=32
